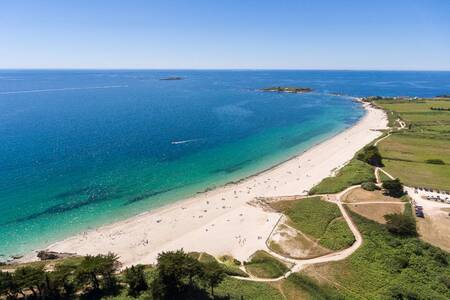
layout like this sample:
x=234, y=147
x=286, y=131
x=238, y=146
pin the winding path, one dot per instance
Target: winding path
x=299, y=264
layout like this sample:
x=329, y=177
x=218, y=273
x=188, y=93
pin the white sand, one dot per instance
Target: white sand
x=221, y=221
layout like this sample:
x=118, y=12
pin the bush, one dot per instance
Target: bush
x=369, y=186
x=435, y=161
x=370, y=155
x=135, y=278
x=401, y=224
x=394, y=188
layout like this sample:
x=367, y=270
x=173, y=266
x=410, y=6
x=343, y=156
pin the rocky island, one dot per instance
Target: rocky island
x=172, y=78
x=294, y=90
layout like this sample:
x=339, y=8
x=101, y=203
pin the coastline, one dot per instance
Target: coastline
x=224, y=220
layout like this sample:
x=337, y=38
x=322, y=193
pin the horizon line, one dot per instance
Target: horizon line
x=219, y=69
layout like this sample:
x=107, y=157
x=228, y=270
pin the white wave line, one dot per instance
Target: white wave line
x=185, y=141
x=65, y=89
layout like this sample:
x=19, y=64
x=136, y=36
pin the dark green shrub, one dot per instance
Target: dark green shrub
x=435, y=161
x=370, y=155
x=369, y=186
x=135, y=278
x=394, y=188
x=401, y=224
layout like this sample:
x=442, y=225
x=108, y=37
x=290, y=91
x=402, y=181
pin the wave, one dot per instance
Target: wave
x=65, y=89
x=184, y=141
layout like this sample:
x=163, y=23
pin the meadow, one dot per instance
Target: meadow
x=355, y=172
x=420, y=154
x=319, y=219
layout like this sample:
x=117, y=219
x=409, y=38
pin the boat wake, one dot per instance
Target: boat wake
x=185, y=141
x=65, y=89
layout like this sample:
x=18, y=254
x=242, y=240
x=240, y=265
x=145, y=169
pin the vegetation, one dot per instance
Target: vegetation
x=264, y=265
x=401, y=224
x=231, y=265
x=383, y=176
x=355, y=172
x=393, y=188
x=299, y=286
x=435, y=161
x=440, y=108
x=369, y=186
x=388, y=266
x=337, y=235
x=136, y=280
x=176, y=276
x=370, y=155
x=423, y=146
x=288, y=89
x=318, y=219
x=94, y=275
x=237, y=289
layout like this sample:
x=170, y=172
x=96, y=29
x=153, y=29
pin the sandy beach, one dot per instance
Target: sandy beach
x=225, y=220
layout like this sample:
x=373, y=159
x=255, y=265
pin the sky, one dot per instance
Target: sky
x=226, y=34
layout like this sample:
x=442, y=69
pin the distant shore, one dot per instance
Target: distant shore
x=227, y=219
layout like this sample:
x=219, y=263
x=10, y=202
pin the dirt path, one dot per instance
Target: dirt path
x=386, y=173
x=299, y=264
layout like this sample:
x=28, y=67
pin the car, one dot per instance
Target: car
x=418, y=207
x=420, y=214
x=448, y=201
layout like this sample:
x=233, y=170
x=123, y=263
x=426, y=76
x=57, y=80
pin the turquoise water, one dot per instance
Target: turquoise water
x=84, y=148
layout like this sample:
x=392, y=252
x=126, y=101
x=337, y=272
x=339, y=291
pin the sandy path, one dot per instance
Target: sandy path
x=299, y=264
x=221, y=221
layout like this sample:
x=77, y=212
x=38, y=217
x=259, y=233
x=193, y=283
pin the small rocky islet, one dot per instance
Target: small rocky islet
x=172, y=78
x=288, y=89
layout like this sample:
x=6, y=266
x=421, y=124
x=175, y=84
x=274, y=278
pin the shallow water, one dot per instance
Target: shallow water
x=83, y=148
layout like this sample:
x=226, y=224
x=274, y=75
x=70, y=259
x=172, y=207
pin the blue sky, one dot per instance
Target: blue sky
x=345, y=34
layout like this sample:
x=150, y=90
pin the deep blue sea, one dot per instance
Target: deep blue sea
x=79, y=149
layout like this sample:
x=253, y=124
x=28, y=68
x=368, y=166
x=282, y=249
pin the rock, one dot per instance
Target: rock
x=172, y=78
x=49, y=255
x=293, y=90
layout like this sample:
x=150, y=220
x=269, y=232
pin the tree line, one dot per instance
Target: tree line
x=175, y=276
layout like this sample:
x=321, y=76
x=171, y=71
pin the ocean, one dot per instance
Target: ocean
x=83, y=148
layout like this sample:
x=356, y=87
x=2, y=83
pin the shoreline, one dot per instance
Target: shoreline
x=224, y=220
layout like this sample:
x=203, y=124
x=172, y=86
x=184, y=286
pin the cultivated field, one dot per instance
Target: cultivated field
x=420, y=154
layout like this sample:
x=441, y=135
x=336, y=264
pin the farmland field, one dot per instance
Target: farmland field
x=409, y=154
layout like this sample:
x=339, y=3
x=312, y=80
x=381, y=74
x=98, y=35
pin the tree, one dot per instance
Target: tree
x=135, y=278
x=213, y=275
x=8, y=286
x=393, y=188
x=62, y=279
x=401, y=224
x=94, y=268
x=176, y=270
x=371, y=156
x=32, y=278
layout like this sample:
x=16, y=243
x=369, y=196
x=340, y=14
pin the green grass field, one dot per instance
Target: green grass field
x=389, y=267
x=405, y=153
x=337, y=235
x=420, y=174
x=235, y=289
x=318, y=219
x=355, y=172
x=383, y=177
x=264, y=265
